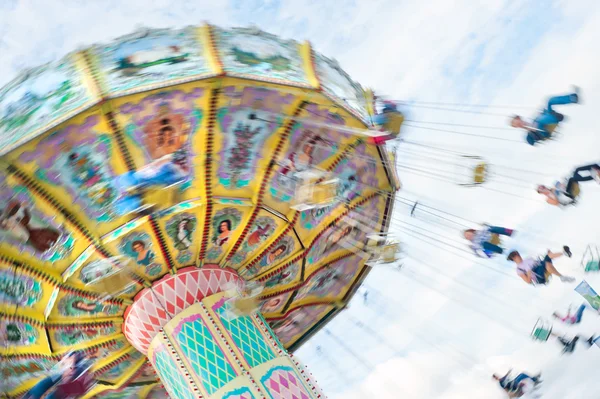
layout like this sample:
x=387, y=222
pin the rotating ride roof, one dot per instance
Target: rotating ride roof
x=246, y=109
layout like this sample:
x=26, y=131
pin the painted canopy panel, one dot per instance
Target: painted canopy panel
x=339, y=85
x=250, y=52
x=151, y=58
x=188, y=163
x=40, y=98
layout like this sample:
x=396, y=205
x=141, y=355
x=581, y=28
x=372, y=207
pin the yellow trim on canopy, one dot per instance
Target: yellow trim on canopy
x=206, y=32
x=309, y=66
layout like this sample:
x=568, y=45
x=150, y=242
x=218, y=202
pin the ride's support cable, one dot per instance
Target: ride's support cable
x=424, y=173
x=448, y=104
x=464, y=111
x=463, y=133
x=418, y=210
x=482, y=264
x=438, y=271
x=383, y=309
x=339, y=372
x=431, y=208
x=423, y=238
x=360, y=359
x=427, y=284
x=467, y=223
x=459, y=125
x=381, y=339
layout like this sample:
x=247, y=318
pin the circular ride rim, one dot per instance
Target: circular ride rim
x=69, y=128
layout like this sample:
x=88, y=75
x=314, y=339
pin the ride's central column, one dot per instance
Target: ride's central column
x=206, y=350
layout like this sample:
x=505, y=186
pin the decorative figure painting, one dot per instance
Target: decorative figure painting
x=117, y=370
x=20, y=290
x=75, y=305
x=306, y=151
x=138, y=246
x=287, y=328
x=357, y=174
x=224, y=223
x=70, y=336
x=77, y=159
x=17, y=371
x=180, y=229
x=164, y=124
x=331, y=280
x=309, y=147
x=274, y=304
x=284, y=276
x=152, y=56
x=245, y=129
x=250, y=51
x=16, y=218
x=262, y=228
x=297, y=322
x=37, y=98
x=17, y=333
x=278, y=252
x=23, y=226
x=330, y=240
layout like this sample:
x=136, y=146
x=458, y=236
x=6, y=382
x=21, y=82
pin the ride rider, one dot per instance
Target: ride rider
x=546, y=122
x=538, y=271
x=566, y=193
x=571, y=318
x=514, y=387
x=72, y=366
x=484, y=243
x=388, y=120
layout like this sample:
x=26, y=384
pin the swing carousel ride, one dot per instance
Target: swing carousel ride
x=162, y=167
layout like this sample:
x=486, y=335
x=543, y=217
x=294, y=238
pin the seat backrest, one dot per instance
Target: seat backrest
x=576, y=190
x=592, y=266
x=479, y=173
x=495, y=239
x=394, y=122
x=550, y=128
x=541, y=334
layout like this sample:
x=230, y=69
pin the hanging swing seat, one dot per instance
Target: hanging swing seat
x=383, y=248
x=495, y=239
x=394, y=122
x=542, y=330
x=592, y=266
x=314, y=190
x=111, y=277
x=480, y=173
x=77, y=388
x=591, y=259
x=472, y=171
x=246, y=300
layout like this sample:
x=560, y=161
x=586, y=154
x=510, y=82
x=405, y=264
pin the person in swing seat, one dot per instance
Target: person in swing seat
x=542, y=127
x=388, y=120
x=485, y=242
x=538, y=271
x=571, y=318
x=565, y=193
x=514, y=387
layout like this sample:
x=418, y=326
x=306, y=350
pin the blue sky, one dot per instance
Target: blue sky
x=443, y=324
